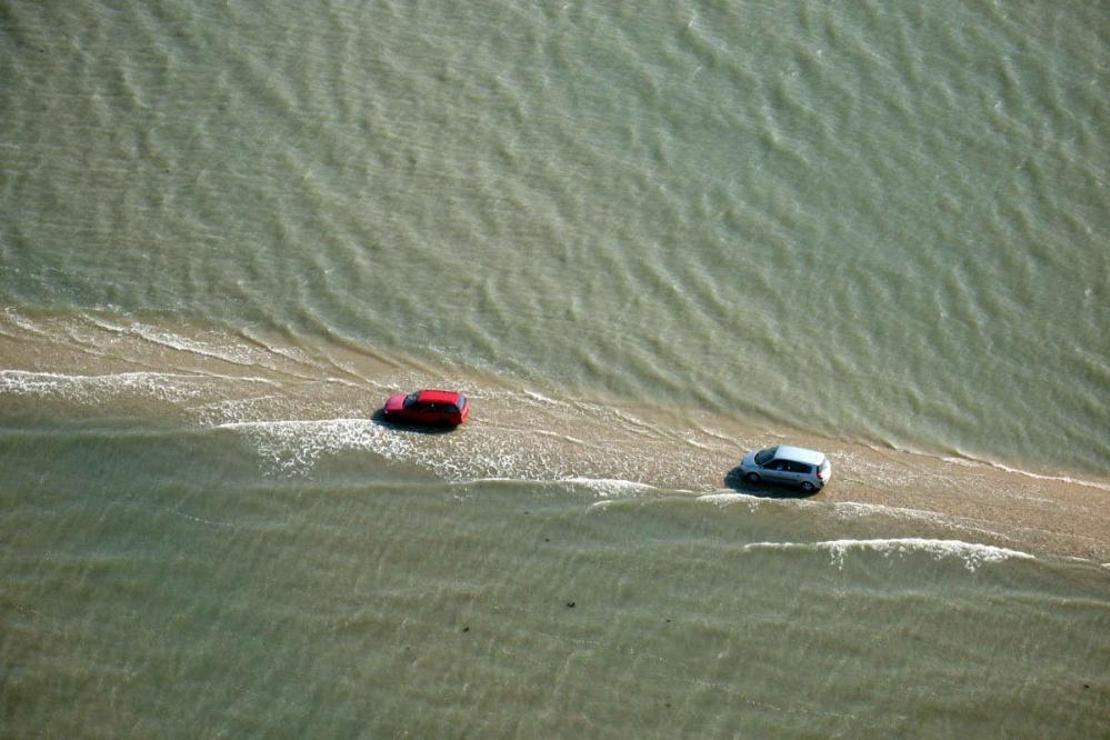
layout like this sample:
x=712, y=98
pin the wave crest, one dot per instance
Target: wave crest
x=972, y=554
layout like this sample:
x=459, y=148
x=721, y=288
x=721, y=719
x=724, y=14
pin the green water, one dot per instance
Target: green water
x=139, y=601
x=881, y=224
x=644, y=238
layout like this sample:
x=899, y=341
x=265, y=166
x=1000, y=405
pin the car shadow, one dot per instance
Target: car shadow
x=734, y=479
x=378, y=417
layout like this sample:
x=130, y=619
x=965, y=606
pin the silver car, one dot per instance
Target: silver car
x=794, y=466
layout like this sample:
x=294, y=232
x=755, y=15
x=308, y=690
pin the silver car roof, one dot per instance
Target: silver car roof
x=799, y=454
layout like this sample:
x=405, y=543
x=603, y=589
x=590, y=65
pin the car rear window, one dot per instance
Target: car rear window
x=461, y=403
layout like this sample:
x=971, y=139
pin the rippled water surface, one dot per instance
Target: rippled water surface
x=644, y=238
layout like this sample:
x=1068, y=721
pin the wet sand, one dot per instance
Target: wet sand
x=296, y=396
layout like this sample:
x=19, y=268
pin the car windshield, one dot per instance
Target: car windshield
x=764, y=456
x=461, y=403
x=410, y=399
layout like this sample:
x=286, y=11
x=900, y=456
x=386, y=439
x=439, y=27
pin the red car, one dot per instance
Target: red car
x=428, y=407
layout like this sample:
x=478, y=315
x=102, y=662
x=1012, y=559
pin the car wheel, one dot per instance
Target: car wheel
x=807, y=486
x=752, y=477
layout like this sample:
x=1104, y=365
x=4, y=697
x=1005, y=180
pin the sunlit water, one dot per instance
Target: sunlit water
x=643, y=239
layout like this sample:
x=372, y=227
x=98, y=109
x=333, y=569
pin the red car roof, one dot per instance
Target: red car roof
x=434, y=396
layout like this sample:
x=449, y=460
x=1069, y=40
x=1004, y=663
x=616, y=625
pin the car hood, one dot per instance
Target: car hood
x=395, y=403
x=749, y=460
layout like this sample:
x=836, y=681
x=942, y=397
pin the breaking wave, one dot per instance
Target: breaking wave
x=608, y=487
x=972, y=554
x=173, y=387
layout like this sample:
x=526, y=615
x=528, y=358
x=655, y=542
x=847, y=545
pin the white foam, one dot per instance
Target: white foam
x=236, y=355
x=21, y=321
x=846, y=509
x=971, y=461
x=235, y=378
x=717, y=434
x=89, y=388
x=608, y=487
x=973, y=555
x=726, y=497
x=294, y=446
x=295, y=354
x=1059, y=478
x=689, y=439
x=486, y=479
x=852, y=509
x=229, y=410
x=539, y=397
x=557, y=435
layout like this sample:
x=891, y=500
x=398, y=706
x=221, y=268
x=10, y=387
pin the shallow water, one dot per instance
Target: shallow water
x=371, y=598
x=643, y=240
